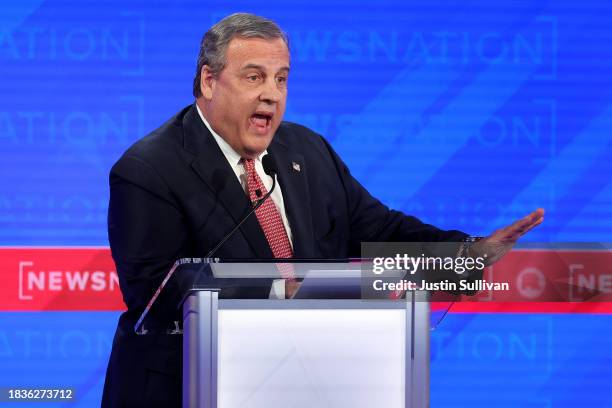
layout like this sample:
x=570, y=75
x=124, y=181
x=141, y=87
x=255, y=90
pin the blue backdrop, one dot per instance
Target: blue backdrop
x=466, y=114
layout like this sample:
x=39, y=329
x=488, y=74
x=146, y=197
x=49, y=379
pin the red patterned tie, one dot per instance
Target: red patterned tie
x=268, y=215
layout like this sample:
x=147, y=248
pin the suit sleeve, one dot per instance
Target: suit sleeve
x=372, y=221
x=146, y=229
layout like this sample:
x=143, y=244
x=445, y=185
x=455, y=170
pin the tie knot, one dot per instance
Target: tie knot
x=249, y=164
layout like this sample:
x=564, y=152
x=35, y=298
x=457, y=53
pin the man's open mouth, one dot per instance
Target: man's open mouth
x=261, y=119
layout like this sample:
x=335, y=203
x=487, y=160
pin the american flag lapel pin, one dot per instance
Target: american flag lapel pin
x=296, y=166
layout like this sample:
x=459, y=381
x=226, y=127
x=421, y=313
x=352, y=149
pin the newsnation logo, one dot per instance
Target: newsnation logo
x=59, y=279
x=85, y=279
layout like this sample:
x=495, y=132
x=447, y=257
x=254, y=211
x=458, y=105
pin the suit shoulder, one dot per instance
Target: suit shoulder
x=296, y=135
x=296, y=129
x=159, y=143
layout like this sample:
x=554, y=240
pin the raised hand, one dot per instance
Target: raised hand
x=502, y=240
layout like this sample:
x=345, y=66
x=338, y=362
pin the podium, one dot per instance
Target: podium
x=329, y=346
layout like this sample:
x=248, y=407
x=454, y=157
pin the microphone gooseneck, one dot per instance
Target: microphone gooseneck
x=269, y=165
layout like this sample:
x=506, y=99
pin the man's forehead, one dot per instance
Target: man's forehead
x=258, y=51
x=262, y=67
x=238, y=40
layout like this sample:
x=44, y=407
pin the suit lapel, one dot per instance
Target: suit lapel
x=292, y=176
x=212, y=167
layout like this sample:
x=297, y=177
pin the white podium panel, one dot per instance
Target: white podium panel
x=305, y=352
x=312, y=357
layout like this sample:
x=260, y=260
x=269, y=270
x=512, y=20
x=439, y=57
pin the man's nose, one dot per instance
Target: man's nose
x=271, y=92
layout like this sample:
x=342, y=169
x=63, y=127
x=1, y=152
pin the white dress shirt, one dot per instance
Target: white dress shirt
x=233, y=158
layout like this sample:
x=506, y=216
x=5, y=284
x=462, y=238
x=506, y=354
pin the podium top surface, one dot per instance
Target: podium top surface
x=239, y=279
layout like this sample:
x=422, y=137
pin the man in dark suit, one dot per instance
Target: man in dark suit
x=177, y=192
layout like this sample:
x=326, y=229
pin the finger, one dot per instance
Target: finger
x=520, y=232
x=534, y=216
x=528, y=220
x=515, y=230
x=528, y=227
x=532, y=226
x=537, y=214
x=521, y=222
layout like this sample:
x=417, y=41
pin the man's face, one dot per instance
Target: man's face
x=245, y=102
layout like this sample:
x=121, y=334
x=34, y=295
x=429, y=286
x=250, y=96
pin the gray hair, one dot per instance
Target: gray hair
x=213, y=46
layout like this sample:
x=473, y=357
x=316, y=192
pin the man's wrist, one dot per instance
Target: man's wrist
x=467, y=246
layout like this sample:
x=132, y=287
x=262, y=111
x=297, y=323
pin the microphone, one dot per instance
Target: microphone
x=269, y=165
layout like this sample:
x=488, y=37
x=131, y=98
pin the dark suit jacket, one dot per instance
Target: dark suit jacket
x=173, y=195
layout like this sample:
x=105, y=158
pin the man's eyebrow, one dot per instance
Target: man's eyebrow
x=261, y=68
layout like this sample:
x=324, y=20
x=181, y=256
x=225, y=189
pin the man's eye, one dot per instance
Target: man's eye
x=281, y=80
x=253, y=78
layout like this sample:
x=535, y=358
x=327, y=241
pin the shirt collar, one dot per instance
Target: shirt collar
x=230, y=154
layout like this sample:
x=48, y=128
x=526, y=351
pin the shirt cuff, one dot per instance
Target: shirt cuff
x=277, y=291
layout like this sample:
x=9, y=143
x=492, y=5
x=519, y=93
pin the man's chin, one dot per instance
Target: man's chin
x=254, y=151
x=259, y=143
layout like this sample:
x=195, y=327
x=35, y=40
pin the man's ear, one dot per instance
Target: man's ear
x=207, y=82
